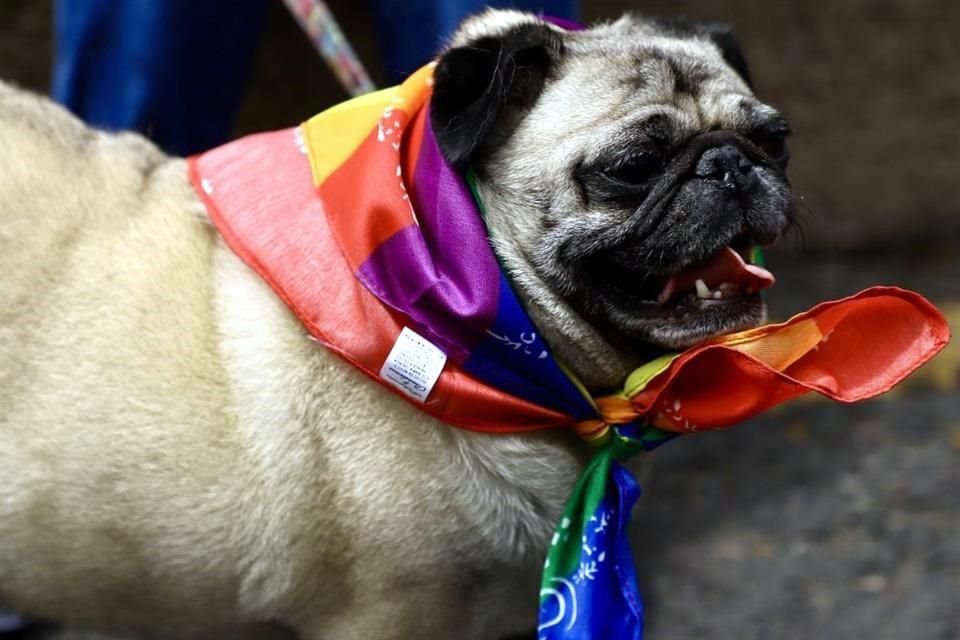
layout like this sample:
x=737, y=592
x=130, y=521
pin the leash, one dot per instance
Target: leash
x=317, y=21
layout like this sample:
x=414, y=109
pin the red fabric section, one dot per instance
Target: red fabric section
x=872, y=341
x=368, y=181
x=260, y=196
x=413, y=142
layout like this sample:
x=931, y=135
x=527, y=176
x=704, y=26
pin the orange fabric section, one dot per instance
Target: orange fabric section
x=783, y=348
x=869, y=342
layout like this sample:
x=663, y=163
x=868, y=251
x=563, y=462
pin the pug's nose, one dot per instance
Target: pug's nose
x=728, y=165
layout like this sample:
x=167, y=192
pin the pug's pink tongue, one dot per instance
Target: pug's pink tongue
x=726, y=268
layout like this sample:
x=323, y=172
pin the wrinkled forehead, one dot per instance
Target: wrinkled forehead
x=629, y=72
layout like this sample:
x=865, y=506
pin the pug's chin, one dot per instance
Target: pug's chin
x=685, y=324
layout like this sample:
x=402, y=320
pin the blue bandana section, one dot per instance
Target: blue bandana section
x=596, y=597
x=515, y=358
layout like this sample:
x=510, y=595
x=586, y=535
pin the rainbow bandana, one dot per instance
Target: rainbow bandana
x=379, y=248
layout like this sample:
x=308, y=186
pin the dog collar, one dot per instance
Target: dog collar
x=377, y=245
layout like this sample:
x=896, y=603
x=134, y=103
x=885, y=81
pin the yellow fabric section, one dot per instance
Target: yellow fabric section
x=639, y=379
x=596, y=432
x=781, y=349
x=616, y=409
x=579, y=385
x=777, y=350
x=334, y=134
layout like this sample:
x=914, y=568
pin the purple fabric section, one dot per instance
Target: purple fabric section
x=442, y=273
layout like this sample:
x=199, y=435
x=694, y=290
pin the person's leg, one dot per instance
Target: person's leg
x=411, y=33
x=174, y=70
x=9, y=622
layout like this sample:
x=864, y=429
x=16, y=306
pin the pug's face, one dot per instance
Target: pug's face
x=627, y=170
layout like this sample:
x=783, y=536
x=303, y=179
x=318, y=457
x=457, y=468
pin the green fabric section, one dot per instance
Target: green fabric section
x=623, y=448
x=471, y=179
x=642, y=376
x=564, y=553
x=564, y=556
x=653, y=434
x=758, y=258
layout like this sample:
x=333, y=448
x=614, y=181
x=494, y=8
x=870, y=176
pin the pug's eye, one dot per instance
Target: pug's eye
x=636, y=169
x=774, y=144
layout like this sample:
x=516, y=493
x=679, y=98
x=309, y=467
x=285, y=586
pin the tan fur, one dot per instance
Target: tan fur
x=179, y=460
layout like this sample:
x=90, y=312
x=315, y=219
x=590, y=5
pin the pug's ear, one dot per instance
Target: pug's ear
x=487, y=81
x=722, y=36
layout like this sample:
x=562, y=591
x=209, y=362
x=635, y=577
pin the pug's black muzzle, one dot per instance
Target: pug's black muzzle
x=721, y=189
x=729, y=166
x=726, y=157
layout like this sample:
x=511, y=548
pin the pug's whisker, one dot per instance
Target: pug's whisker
x=800, y=223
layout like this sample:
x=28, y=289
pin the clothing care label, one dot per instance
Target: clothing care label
x=414, y=364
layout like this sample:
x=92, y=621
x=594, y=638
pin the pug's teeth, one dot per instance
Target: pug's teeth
x=717, y=294
x=703, y=291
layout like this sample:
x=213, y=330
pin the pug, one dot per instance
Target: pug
x=179, y=460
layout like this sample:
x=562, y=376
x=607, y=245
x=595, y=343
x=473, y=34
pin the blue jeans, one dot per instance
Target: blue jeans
x=176, y=70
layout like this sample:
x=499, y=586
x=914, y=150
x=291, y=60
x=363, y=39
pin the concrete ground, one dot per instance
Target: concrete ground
x=816, y=521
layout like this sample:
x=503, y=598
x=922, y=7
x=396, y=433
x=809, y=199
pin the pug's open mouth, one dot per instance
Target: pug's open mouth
x=716, y=296
x=728, y=276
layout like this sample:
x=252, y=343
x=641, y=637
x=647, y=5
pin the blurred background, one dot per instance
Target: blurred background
x=818, y=521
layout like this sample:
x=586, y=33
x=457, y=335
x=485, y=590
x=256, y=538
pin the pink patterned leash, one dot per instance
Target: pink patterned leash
x=317, y=21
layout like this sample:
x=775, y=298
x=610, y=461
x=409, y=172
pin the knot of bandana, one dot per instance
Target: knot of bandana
x=364, y=231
